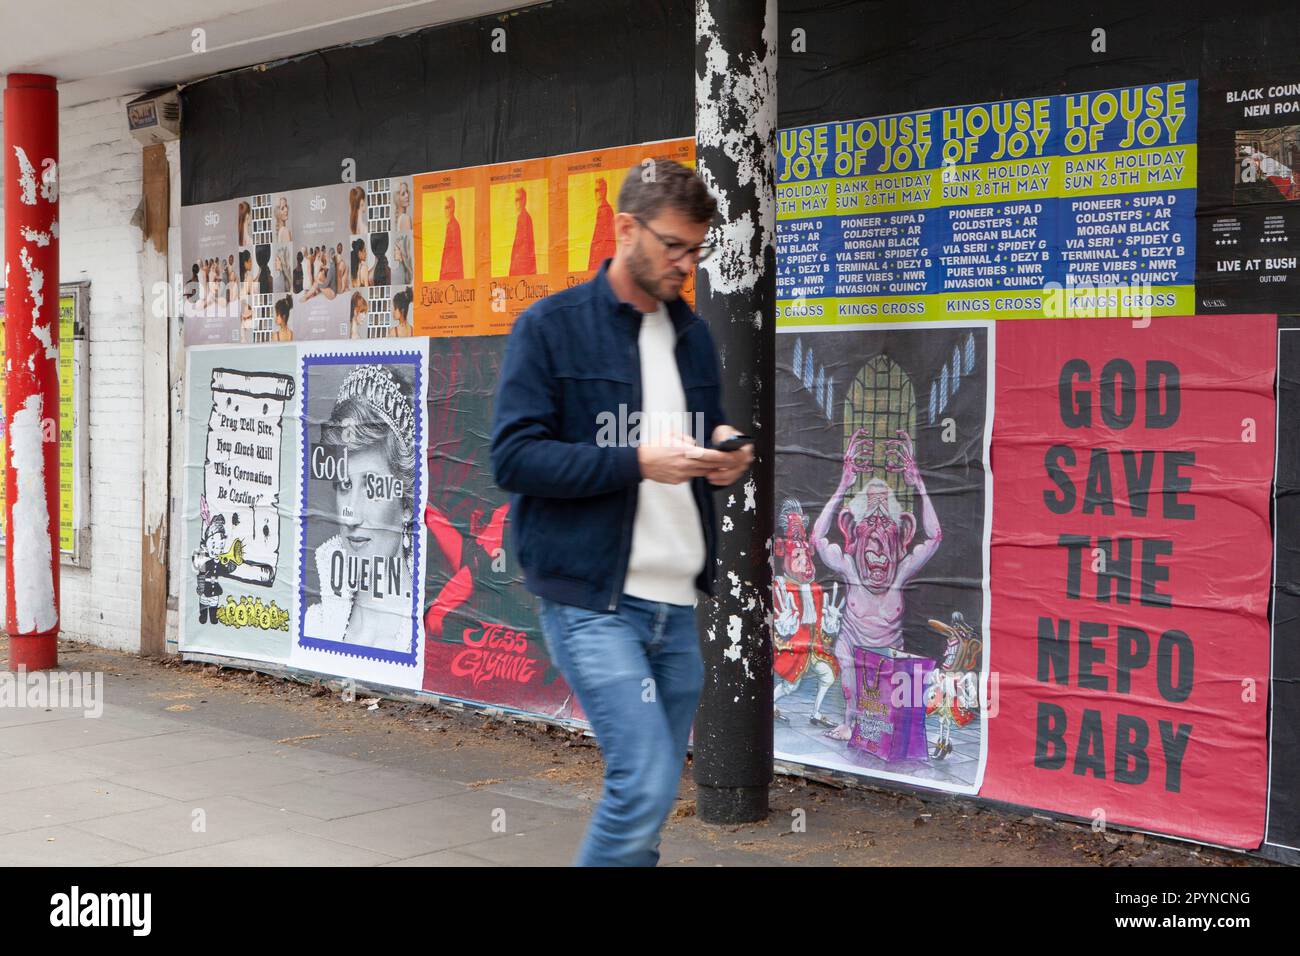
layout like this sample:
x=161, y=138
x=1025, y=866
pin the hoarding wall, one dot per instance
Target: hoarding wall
x=360, y=228
x=1041, y=257
x=1032, y=384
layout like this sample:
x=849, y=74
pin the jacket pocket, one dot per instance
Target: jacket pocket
x=594, y=408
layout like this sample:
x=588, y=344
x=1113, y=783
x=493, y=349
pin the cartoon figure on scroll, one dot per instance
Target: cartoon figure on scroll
x=806, y=617
x=217, y=555
x=953, y=689
x=877, y=560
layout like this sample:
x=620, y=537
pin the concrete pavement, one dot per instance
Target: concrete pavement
x=189, y=765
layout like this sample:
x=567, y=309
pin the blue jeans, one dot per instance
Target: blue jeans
x=638, y=674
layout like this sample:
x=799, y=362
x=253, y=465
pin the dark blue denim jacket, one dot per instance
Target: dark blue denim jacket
x=573, y=357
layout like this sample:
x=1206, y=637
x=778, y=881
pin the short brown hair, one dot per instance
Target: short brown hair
x=654, y=184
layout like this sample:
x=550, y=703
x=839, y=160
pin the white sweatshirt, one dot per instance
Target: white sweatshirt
x=667, y=537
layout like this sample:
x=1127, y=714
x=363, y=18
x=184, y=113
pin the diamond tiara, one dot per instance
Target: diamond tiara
x=378, y=387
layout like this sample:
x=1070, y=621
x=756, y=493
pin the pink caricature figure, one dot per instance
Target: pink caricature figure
x=877, y=559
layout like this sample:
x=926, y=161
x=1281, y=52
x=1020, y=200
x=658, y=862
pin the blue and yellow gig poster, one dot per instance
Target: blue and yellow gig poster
x=1078, y=204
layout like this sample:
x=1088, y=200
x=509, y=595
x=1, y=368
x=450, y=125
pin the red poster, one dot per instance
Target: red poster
x=1130, y=572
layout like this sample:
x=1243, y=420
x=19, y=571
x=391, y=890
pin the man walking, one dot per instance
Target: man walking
x=609, y=394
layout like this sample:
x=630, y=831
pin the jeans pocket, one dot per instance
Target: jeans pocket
x=552, y=626
x=597, y=647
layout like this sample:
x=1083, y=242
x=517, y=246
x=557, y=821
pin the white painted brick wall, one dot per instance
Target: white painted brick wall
x=99, y=190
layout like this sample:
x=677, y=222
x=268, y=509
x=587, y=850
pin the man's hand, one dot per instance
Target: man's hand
x=731, y=464
x=677, y=459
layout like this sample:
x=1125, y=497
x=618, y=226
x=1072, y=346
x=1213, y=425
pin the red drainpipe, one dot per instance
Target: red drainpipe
x=31, y=425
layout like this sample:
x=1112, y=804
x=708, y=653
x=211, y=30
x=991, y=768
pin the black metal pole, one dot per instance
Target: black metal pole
x=735, y=152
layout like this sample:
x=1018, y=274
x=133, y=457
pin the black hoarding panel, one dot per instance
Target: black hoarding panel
x=574, y=75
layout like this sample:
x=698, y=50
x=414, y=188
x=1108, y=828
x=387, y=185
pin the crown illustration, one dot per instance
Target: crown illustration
x=378, y=387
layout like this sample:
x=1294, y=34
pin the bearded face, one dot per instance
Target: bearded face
x=877, y=544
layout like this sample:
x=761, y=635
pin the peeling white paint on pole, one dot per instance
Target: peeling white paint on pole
x=42, y=333
x=30, y=535
x=748, y=86
x=35, y=282
x=26, y=178
x=734, y=628
x=35, y=235
x=50, y=181
x=735, y=138
x=35, y=285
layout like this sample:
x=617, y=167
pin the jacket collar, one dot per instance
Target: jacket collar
x=679, y=312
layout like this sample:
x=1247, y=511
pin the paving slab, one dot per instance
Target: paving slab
x=40, y=770
x=397, y=785
x=157, y=751
x=179, y=825
x=276, y=848
x=442, y=858
x=51, y=735
x=324, y=801
x=429, y=826
x=62, y=846
x=70, y=802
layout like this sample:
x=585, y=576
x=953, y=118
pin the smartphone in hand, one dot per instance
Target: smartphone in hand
x=734, y=442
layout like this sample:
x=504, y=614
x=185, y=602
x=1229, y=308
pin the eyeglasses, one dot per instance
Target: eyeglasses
x=676, y=250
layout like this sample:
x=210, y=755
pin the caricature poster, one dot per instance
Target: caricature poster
x=240, y=485
x=880, y=599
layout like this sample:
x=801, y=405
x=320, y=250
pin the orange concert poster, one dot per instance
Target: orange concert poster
x=519, y=241
x=451, y=252
x=586, y=187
